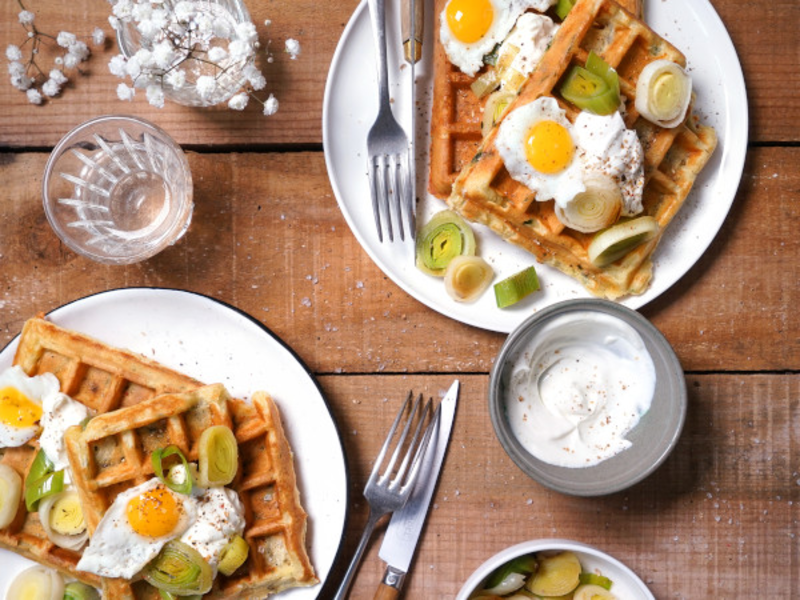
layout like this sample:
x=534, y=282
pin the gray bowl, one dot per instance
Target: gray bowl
x=653, y=438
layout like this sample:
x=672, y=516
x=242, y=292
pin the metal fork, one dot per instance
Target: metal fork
x=388, y=148
x=388, y=491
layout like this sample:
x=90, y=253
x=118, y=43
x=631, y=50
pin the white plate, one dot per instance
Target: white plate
x=215, y=343
x=626, y=584
x=350, y=106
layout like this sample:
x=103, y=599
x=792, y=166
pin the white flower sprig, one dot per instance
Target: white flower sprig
x=189, y=51
x=25, y=70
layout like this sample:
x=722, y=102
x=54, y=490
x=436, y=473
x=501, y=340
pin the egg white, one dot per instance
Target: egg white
x=469, y=56
x=36, y=389
x=116, y=550
x=602, y=145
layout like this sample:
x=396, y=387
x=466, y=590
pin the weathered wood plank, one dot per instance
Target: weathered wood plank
x=719, y=518
x=761, y=33
x=268, y=237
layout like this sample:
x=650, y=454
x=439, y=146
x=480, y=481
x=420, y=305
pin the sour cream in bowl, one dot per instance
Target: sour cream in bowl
x=587, y=397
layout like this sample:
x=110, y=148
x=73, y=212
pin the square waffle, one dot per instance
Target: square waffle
x=484, y=191
x=110, y=379
x=457, y=113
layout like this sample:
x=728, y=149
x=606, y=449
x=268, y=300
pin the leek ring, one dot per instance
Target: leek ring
x=10, y=495
x=179, y=569
x=218, y=456
x=467, y=277
x=441, y=239
x=663, y=93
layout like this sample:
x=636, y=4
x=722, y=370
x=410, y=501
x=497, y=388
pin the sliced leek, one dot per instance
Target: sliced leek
x=615, y=242
x=184, y=486
x=233, y=555
x=179, y=569
x=596, y=579
x=218, y=456
x=594, y=87
x=10, y=495
x=494, y=109
x=441, y=239
x=486, y=83
x=61, y=516
x=663, y=93
x=41, y=481
x=467, y=277
x=556, y=576
x=36, y=582
x=80, y=591
x=593, y=592
x=563, y=7
x=513, y=289
x=510, y=576
x=596, y=208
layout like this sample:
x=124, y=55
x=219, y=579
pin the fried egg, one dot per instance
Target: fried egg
x=553, y=157
x=470, y=29
x=21, y=400
x=220, y=516
x=60, y=412
x=135, y=528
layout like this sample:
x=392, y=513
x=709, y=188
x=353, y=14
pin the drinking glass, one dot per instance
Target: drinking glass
x=118, y=190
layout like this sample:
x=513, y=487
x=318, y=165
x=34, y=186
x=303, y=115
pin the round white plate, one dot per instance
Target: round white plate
x=215, y=343
x=626, y=584
x=351, y=104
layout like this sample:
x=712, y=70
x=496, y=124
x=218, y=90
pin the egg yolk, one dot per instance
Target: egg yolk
x=549, y=147
x=17, y=410
x=154, y=513
x=469, y=20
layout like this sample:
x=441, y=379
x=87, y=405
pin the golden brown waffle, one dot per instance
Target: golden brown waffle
x=457, y=113
x=106, y=379
x=484, y=191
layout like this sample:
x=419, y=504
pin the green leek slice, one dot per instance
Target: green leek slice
x=441, y=239
x=77, y=590
x=524, y=565
x=233, y=555
x=36, y=582
x=563, y=7
x=183, y=487
x=663, y=93
x=513, y=289
x=556, y=576
x=494, y=109
x=218, y=456
x=179, y=569
x=594, y=88
x=467, y=277
x=41, y=481
x=596, y=579
x=486, y=83
x=615, y=242
x=165, y=595
x=10, y=494
x=593, y=592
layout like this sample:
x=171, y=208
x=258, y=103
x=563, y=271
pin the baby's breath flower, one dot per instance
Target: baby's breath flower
x=51, y=88
x=65, y=39
x=217, y=54
x=254, y=77
x=114, y=22
x=246, y=32
x=71, y=60
x=79, y=50
x=26, y=17
x=98, y=36
x=155, y=95
x=34, y=96
x=206, y=85
x=184, y=11
x=117, y=66
x=13, y=53
x=238, y=101
x=163, y=55
x=293, y=48
x=176, y=78
x=58, y=76
x=270, y=106
x=149, y=29
x=125, y=93
x=240, y=50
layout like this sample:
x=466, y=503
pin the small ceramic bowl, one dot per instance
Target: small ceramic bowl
x=626, y=584
x=652, y=438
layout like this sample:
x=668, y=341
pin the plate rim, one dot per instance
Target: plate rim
x=326, y=585
x=735, y=94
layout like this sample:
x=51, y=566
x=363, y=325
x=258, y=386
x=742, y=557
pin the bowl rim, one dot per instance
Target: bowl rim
x=653, y=339
x=539, y=545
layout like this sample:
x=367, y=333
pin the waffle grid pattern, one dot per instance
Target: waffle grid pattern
x=484, y=191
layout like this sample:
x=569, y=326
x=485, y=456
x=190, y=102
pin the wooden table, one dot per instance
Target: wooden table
x=718, y=519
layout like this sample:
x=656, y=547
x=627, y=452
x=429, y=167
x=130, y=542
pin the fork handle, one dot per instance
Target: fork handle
x=344, y=587
x=377, y=12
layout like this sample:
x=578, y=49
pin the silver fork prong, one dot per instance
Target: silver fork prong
x=400, y=188
x=374, y=192
x=384, y=196
x=400, y=445
x=389, y=437
x=410, y=200
x=416, y=465
x=413, y=446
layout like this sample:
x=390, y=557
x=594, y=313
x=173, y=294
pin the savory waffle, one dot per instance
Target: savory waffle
x=107, y=379
x=484, y=191
x=457, y=113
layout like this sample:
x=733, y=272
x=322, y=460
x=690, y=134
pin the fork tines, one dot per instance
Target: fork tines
x=391, y=187
x=419, y=418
